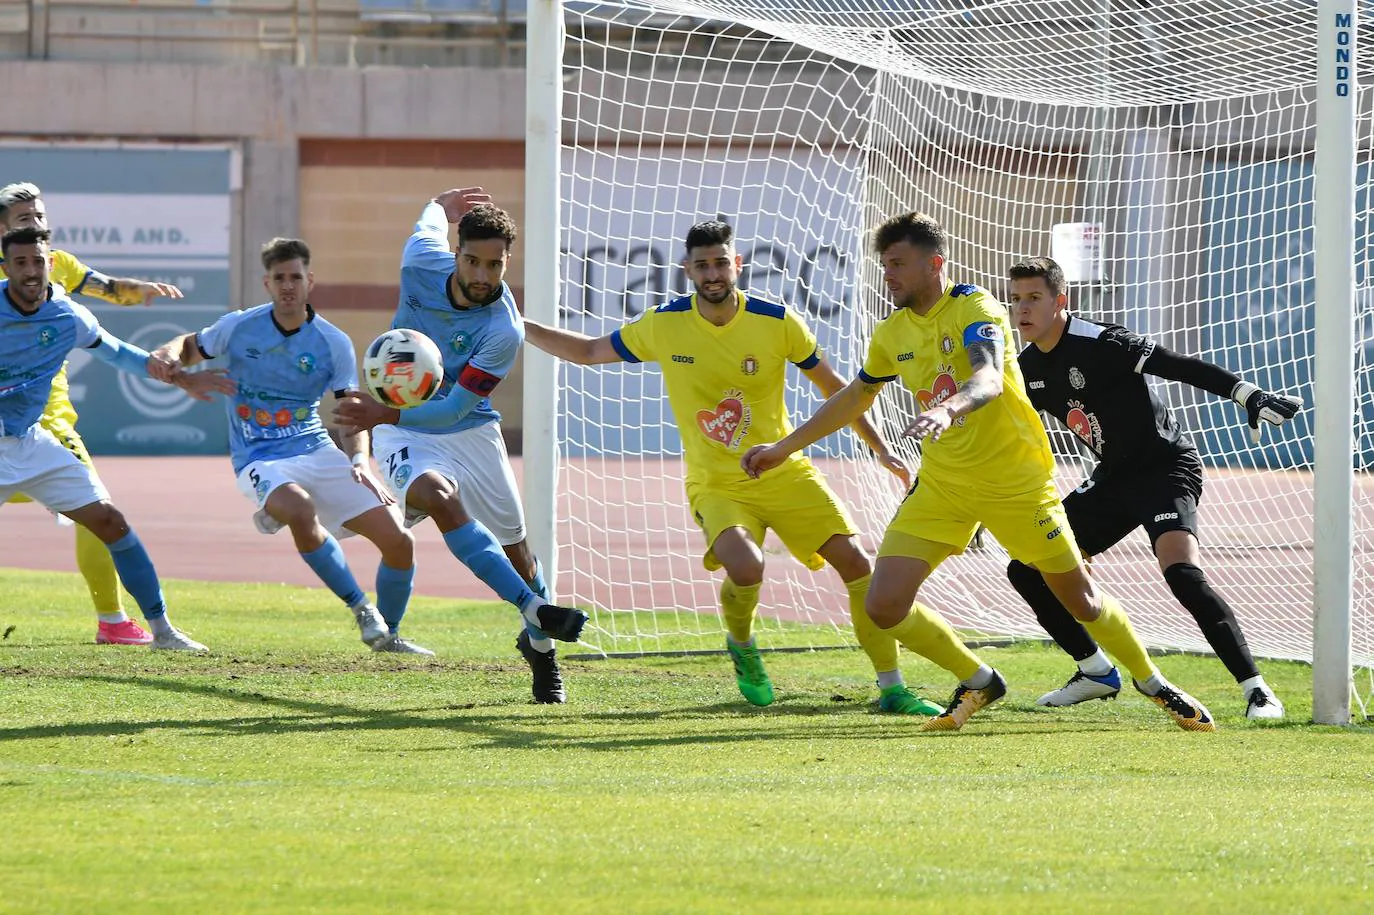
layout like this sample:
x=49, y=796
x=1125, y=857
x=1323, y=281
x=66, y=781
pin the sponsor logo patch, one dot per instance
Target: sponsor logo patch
x=729, y=422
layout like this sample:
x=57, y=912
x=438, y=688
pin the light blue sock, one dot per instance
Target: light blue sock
x=138, y=576
x=477, y=549
x=538, y=638
x=329, y=564
x=393, y=593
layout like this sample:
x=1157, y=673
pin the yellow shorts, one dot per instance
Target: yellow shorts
x=1031, y=526
x=59, y=418
x=794, y=501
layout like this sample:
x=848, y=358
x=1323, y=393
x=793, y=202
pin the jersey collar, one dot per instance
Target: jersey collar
x=19, y=311
x=741, y=300
x=1062, y=334
x=448, y=292
x=309, y=316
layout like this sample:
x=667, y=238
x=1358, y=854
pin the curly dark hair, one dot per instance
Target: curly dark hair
x=918, y=229
x=1032, y=267
x=486, y=221
x=279, y=250
x=25, y=236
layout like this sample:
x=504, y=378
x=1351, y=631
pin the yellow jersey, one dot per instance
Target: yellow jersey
x=1002, y=446
x=67, y=271
x=725, y=383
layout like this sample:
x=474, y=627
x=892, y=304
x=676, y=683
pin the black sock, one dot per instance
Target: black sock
x=1067, y=632
x=1214, y=618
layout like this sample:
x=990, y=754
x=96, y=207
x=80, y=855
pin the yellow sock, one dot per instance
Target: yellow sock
x=93, y=559
x=880, y=646
x=1113, y=630
x=925, y=632
x=737, y=604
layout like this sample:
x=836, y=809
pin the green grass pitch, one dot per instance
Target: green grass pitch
x=292, y=771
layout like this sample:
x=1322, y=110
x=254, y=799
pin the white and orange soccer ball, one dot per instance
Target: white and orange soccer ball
x=402, y=368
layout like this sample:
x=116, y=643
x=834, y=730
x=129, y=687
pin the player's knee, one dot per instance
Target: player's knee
x=398, y=549
x=106, y=522
x=847, y=558
x=1076, y=592
x=447, y=511
x=1084, y=606
x=885, y=607
x=292, y=506
x=745, y=571
x=885, y=612
x=1185, y=580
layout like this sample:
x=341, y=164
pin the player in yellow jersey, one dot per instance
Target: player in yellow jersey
x=724, y=357
x=21, y=205
x=987, y=460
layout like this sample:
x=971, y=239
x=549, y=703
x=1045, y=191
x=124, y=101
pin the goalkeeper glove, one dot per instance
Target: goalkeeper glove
x=1261, y=405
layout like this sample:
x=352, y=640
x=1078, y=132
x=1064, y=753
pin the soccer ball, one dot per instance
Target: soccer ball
x=402, y=368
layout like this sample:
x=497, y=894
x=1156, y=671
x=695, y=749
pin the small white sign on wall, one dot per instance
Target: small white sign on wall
x=1077, y=247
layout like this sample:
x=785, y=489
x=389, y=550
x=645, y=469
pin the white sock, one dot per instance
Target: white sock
x=1252, y=683
x=543, y=646
x=1152, y=686
x=888, y=678
x=981, y=678
x=161, y=625
x=531, y=610
x=119, y=616
x=1096, y=664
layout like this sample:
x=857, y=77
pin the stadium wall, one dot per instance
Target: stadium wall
x=342, y=157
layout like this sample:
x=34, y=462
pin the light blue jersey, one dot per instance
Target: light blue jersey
x=281, y=377
x=479, y=344
x=33, y=349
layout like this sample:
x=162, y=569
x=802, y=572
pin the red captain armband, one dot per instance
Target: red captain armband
x=477, y=381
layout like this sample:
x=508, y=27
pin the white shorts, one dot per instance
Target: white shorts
x=325, y=473
x=38, y=465
x=474, y=460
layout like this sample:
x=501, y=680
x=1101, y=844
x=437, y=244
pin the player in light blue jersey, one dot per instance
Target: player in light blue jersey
x=284, y=357
x=39, y=327
x=446, y=459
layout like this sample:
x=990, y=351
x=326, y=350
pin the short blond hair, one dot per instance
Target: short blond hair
x=19, y=192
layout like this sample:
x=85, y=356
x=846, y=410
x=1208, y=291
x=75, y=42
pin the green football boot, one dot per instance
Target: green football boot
x=898, y=700
x=749, y=673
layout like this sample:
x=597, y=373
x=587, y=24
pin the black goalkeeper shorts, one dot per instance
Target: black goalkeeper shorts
x=1162, y=498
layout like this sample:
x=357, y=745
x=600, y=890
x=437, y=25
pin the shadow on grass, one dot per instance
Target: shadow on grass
x=731, y=722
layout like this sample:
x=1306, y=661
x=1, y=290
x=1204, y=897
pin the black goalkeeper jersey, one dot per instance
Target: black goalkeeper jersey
x=1093, y=381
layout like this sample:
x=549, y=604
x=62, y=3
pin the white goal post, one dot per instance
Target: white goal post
x=1214, y=150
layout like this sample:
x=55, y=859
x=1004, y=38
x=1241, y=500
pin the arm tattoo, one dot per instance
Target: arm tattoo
x=101, y=286
x=983, y=387
x=985, y=352
x=116, y=290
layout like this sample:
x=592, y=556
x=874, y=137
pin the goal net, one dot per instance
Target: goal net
x=1162, y=151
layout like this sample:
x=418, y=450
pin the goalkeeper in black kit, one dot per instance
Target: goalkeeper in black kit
x=1091, y=377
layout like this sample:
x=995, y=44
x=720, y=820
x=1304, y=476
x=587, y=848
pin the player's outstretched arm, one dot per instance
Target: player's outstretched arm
x=829, y=382
x=846, y=406
x=179, y=352
x=136, y=361
x=1259, y=405
x=983, y=387
x=571, y=346
x=122, y=290
x=1275, y=409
